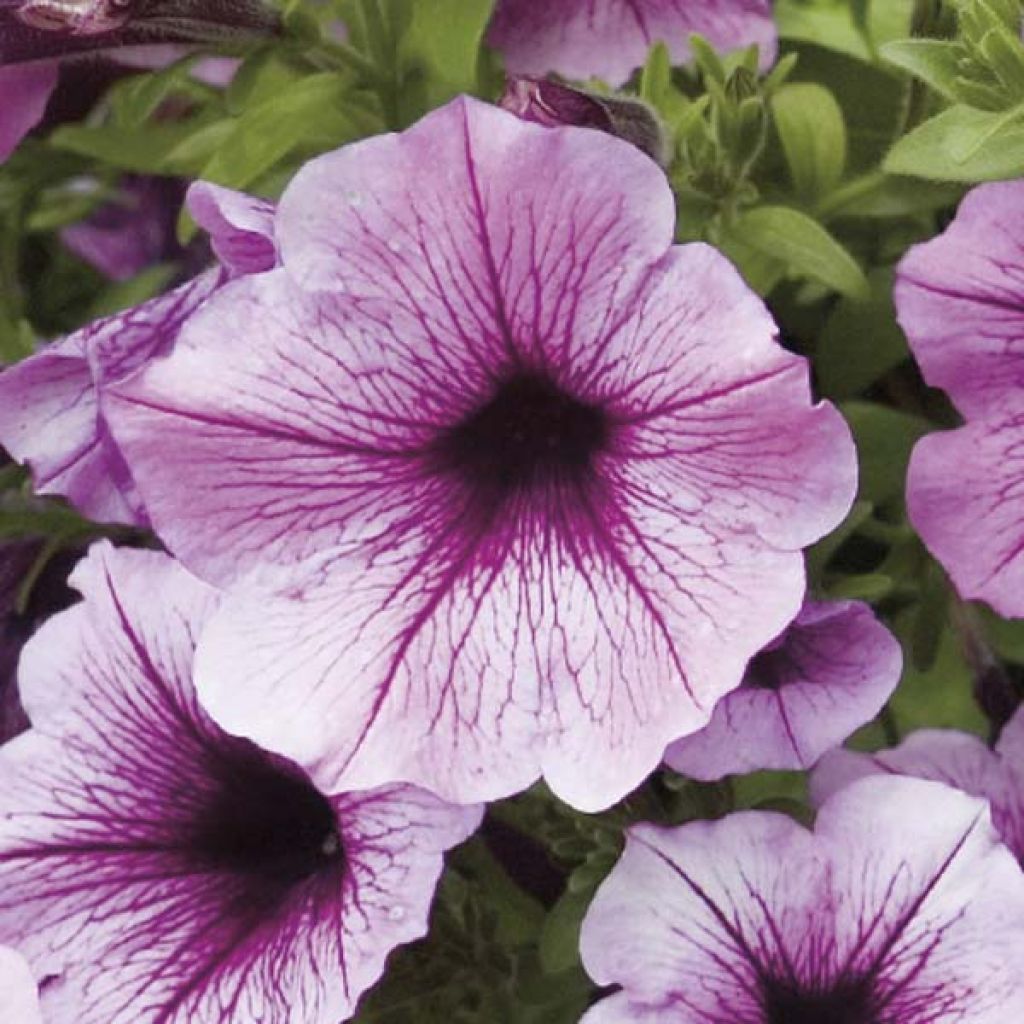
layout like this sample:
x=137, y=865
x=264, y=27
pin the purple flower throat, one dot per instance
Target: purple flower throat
x=529, y=432
x=846, y=1002
x=265, y=821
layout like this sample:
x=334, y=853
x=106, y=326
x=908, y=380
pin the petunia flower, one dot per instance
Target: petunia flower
x=18, y=994
x=36, y=36
x=901, y=907
x=500, y=473
x=829, y=672
x=949, y=756
x=169, y=873
x=610, y=38
x=960, y=302
x=51, y=414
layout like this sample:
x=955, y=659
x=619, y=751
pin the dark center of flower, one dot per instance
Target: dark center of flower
x=528, y=431
x=768, y=670
x=848, y=1002
x=268, y=821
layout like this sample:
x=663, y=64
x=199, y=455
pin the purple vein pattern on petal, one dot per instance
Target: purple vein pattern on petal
x=169, y=873
x=540, y=479
x=831, y=671
x=945, y=755
x=960, y=299
x=609, y=38
x=50, y=409
x=901, y=907
x=26, y=90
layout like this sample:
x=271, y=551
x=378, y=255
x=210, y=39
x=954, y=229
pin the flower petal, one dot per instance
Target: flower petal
x=705, y=901
x=964, y=491
x=923, y=886
x=26, y=90
x=944, y=755
x=475, y=666
x=241, y=227
x=959, y=299
x=835, y=667
x=50, y=416
x=719, y=424
x=609, y=38
x=895, y=904
x=18, y=994
x=525, y=238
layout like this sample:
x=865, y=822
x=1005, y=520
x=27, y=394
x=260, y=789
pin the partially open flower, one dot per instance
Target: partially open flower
x=610, y=38
x=831, y=671
x=498, y=471
x=901, y=907
x=51, y=414
x=170, y=873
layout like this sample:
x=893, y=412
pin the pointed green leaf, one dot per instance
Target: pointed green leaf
x=803, y=246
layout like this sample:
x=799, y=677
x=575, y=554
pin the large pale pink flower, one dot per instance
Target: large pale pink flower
x=51, y=409
x=901, y=907
x=167, y=873
x=960, y=299
x=609, y=38
x=831, y=671
x=501, y=474
x=945, y=755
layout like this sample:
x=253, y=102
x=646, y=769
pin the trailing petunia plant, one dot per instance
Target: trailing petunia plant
x=511, y=511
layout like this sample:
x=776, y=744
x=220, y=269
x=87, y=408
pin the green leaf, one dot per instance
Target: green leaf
x=934, y=61
x=885, y=439
x=519, y=916
x=828, y=25
x=963, y=144
x=149, y=149
x=656, y=76
x=872, y=97
x=136, y=99
x=820, y=554
x=762, y=271
x=861, y=341
x=813, y=135
x=878, y=195
x=440, y=53
x=560, y=937
x=319, y=111
x=125, y=294
x=17, y=341
x=845, y=27
x=1005, y=636
x=871, y=587
x=805, y=248
x=941, y=696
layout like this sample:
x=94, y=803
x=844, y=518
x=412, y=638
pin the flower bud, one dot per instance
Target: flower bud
x=550, y=103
